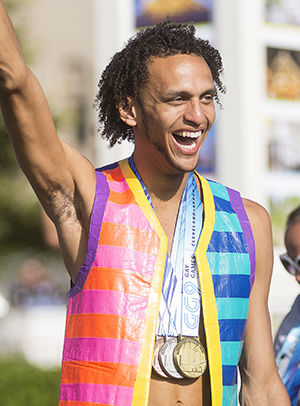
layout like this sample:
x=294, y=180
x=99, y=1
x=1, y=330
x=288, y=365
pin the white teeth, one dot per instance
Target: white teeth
x=191, y=146
x=189, y=134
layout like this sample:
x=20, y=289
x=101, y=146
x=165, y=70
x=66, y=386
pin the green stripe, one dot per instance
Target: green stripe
x=229, y=395
x=231, y=352
x=224, y=263
x=222, y=220
x=219, y=190
x=232, y=307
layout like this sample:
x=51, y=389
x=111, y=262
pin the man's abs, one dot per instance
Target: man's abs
x=179, y=392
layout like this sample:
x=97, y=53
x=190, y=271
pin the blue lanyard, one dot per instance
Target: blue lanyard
x=181, y=298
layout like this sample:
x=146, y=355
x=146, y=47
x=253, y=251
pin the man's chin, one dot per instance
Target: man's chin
x=188, y=165
x=181, y=165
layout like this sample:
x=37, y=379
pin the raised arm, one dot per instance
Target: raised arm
x=260, y=382
x=63, y=179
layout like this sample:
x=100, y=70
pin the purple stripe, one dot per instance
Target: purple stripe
x=102, y=350
x=109, y=302
x=101, y=197
x=97, y=393
x=237, y=204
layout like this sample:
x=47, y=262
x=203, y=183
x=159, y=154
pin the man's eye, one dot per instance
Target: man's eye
x=176, y=100
x=208, y=98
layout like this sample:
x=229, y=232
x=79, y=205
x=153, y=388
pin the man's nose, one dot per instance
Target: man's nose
x=194, y=112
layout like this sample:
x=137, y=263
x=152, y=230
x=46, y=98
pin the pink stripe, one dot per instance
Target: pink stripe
x=118, y=187
x=129, y=215
x=128, y=260
x=108, y=302
x=101, y=350
x=97, y=393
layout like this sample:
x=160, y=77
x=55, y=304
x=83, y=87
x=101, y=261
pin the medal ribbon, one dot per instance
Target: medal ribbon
x=182, y=257
x=181, y=280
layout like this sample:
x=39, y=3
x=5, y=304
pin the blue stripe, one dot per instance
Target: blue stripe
x=232, y=330
x=223, y=219
x=227, y=242
x=229, y=395
x=229, y=263
x=229, y=375
x=232, y=308
x=231, y=352
x=218, y=190
x=223, y=205
x=108, y=167
x=135, y=171
x=231, y=285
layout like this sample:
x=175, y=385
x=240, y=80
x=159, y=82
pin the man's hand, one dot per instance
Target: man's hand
x=11, y=56
x=63, y=180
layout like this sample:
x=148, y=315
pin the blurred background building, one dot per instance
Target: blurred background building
x=254, y=145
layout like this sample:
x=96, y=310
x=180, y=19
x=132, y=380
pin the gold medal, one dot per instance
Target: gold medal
x=190, y=357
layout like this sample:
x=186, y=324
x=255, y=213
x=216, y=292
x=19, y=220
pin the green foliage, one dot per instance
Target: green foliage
x=19, y=209
x=24, y=384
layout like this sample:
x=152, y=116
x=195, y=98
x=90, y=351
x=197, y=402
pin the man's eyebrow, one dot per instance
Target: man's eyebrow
x=212, y=91
x=174, y=93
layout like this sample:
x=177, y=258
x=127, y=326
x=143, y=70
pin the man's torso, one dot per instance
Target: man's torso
x=161, y=389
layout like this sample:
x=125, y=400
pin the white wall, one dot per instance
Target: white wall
x=113, y=25
x=241, y=152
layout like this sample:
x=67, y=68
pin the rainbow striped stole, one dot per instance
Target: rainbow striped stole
x=113, y=304
x=230, y=257
x=111, y=318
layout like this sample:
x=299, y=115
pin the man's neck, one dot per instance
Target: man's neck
x=161, y=185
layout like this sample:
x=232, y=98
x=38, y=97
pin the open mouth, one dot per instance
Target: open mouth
x=187, y=140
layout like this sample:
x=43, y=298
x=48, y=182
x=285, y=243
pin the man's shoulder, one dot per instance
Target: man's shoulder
x=255, y=211
x=262, y=233
x=257, y=214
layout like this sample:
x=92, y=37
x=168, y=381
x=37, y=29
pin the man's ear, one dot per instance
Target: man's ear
x=127, y=112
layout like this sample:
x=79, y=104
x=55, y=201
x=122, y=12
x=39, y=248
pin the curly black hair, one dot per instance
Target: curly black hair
x=127, y=72
x=293, y=218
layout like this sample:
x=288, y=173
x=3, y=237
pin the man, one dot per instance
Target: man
x=287, y=341
x=144, y=290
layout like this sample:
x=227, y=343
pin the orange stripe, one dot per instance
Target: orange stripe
x=122, y=198
x=129, y=237
x=116, y=280
x=106, y=373
x=103, y=325
x=114, y=174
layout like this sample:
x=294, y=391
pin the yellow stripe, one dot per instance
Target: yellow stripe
x=209, y=306
x=142, y=384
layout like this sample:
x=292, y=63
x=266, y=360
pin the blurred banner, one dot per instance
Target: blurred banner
x=149, y=12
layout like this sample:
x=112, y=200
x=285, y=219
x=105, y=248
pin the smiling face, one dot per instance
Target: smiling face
x=173, y=113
